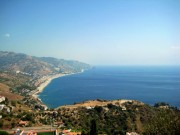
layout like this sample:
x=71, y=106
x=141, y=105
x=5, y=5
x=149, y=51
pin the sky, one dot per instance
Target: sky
x=98, y=32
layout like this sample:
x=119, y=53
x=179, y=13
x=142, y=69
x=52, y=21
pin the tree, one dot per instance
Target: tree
x=13, y=124
x=161, y=104
x=93, y=130
x=99, y=109
x=13, y=103
x=1, y=124
x=165, y=122
x=4, y=133
x=83, y=133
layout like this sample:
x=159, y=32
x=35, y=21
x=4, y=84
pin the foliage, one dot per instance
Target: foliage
x=99, y=109
x=111, y=119
x=161, y=104
x=28, y=117
x=1, y=124
x=110, y=106
x=93, y=130
x=165, y=122
x=4, y=133
x=45, y=133
x=13, y=103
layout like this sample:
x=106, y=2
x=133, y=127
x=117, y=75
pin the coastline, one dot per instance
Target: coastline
x=42, y=82
x=46, y=81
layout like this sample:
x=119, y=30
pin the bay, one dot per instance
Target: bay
x=149, y=84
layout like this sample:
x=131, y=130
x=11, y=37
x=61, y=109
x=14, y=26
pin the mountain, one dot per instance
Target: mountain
x=38, y=66
x=65, y=65
x=21, y=75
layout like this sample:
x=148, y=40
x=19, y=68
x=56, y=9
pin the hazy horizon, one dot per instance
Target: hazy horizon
x=99, y=32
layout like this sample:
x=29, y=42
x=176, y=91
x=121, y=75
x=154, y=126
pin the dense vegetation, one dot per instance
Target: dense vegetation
x=46, y=133
x=4, y=133
x=111, y=119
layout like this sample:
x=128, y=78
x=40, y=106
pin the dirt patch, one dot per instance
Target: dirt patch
x=93, y=103
x=4, y=91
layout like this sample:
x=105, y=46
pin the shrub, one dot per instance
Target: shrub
x=99, y=109
x=164, y=122
x=161, y=104
x=4, y=133
x=1, y=124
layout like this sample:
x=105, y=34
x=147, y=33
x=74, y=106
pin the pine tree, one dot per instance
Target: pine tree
x=93, y=130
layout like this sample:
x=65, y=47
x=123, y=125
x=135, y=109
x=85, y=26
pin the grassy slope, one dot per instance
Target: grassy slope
x=4, y=91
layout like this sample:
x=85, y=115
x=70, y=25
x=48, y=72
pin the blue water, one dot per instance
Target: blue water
x=146, y=84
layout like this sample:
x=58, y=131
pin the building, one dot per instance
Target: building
x=2, y=98
x=22, y=132
x=23, y=123
x=131, y=133
x=1, y=107
x=67, y=132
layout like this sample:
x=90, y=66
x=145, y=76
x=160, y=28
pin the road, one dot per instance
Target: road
x=45, y=128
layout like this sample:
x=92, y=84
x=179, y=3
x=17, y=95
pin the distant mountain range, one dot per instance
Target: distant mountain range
x=38, y=66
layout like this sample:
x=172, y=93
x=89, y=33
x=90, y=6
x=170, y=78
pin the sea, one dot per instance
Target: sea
x=149, y=84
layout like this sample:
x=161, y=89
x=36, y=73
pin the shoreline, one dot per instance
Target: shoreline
x=46, y=80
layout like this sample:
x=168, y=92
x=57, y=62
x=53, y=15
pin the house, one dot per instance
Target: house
x=2, y=98
x=74, y=133
x=1, y=107
x=17, y=132
x=17, y=72
x=30, y=133
x=44, y=107
x=68, y=132
x=22, y=132
x=8, y=110
x=131, y=133
x=23, y=123
x=58, y=124
x=89, y=107
x=63, y=132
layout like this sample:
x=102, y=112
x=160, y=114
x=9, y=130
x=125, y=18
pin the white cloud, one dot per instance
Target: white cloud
x=7, y=35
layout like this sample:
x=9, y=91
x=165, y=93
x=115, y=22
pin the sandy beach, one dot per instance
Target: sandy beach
x=45, y=81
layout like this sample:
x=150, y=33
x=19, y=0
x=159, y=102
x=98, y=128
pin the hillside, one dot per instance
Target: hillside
x=121, y=116
x=5, y=91
x=92, y=103
x=110, y=117
x=20, y=75
x=36, y=66
x=62, y=65
x=24, y=73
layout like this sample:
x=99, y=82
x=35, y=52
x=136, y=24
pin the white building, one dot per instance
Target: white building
x=1, y=107
x=2, y=98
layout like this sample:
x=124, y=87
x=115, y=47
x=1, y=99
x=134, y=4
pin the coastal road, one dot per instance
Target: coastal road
x=45, y=128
